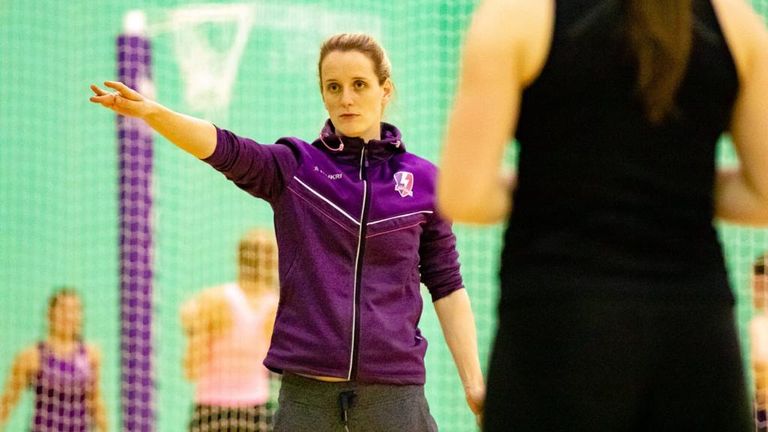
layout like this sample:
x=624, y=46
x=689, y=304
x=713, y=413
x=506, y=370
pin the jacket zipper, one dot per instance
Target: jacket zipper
x=354, y=352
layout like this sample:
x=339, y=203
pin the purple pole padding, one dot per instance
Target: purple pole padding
x=135, y=148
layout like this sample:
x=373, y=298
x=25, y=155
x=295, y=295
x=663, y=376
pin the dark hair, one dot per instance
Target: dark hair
x=361, y=42
x=57, y=295
x=65, y=291
x=758, y=268
x=659, y=34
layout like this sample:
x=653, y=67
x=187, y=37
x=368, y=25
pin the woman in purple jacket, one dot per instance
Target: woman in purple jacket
x=357, y=233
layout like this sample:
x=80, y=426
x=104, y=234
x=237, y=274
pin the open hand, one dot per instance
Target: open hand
x=125, y=100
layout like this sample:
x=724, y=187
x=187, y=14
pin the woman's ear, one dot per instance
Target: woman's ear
x=388, y=88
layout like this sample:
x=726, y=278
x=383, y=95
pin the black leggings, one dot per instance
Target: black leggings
x=617, y=365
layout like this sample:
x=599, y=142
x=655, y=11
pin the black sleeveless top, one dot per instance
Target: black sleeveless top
x=608, y=204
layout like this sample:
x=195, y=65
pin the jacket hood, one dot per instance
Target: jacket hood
x=348, y=149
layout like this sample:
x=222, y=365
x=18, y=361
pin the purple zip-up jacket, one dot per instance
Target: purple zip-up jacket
x=357, y=232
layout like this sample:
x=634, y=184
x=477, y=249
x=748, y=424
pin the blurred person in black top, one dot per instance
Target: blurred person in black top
x=615, y=311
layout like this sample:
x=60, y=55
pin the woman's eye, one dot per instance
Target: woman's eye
x=359, y=84
x=333, y=87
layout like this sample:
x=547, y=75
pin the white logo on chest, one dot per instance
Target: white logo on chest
x=404, y=183
x=330, y=176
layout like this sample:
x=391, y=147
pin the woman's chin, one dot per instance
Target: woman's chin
x=349, y=133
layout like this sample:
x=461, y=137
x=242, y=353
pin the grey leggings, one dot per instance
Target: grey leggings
x=307, y=405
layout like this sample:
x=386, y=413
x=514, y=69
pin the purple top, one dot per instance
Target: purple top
x=61, y=388
x=357, y=231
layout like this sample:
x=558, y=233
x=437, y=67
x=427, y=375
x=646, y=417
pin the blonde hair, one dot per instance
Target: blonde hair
x=257, y=255
x=362, y=43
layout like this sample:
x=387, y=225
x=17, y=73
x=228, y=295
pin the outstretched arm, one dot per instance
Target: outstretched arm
x=25, y=366
x=193, y=135
x=458, y=324
x=269, y=322
x=196, y=330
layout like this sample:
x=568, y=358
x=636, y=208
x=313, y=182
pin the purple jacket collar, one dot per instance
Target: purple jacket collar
x=348, y=148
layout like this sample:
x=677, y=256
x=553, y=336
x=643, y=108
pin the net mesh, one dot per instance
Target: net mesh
x=59, y=173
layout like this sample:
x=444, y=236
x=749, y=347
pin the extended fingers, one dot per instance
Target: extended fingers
x=106, y=99
x=102, y=96
x=117, y=85
x=97, y=90
x=123, y=89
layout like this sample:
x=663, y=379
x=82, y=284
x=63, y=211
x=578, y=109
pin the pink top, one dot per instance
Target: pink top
x=235, y=374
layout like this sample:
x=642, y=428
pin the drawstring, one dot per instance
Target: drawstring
x=397, y=144
x=340, y=148
x=346, y=400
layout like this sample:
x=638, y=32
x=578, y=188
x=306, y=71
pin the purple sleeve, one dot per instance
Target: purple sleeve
x=261, y=170
x=439, y=263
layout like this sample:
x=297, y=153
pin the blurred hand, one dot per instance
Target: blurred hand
x=124, y=101
x=476, y=401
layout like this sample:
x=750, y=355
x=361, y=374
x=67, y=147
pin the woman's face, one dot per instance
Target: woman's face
x=352, y=94
x=66, y=317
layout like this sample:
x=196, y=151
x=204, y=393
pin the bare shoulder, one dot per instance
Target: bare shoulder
x=94, y=353
x=516, y=11
x=29, y=354
x=205, y=307
x=503, y=21
x=745, y=32
x=27, y=360
x=206, y=299
x=739, y=11
x=214, y=298
x=518, y=29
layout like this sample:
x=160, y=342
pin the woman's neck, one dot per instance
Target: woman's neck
x=62, y=344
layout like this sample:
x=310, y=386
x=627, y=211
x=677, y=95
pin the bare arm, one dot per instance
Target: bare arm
x=505, y=48
x=758, y=335
x=96, y=406
x=192, y=322
x=458, y=324
x=25, y=366
x=193, y=135
x=741, y=194
x=269, y=324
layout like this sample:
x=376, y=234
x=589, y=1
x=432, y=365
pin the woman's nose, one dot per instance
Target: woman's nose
x=347, y=97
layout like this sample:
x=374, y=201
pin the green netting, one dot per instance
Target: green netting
x=58, y=171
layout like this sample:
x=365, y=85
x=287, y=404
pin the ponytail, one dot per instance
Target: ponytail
x=660, y=34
